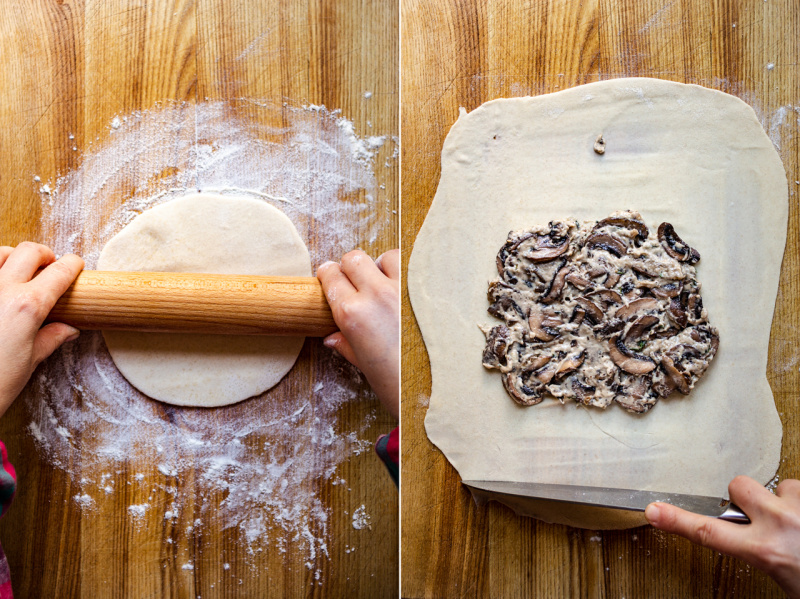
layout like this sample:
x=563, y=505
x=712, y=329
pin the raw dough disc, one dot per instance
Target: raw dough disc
x=693, y=157
x=205, y=233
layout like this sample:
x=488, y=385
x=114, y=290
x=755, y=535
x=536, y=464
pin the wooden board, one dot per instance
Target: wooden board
x=465, y=52
x=69, y=67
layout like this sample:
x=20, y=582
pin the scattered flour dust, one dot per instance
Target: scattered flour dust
x=361, y=518
x=259, y=465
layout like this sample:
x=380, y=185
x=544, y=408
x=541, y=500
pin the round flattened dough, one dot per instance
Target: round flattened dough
x=205, y=233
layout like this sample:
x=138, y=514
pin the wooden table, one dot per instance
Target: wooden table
x=69, y=67
x=465, y=52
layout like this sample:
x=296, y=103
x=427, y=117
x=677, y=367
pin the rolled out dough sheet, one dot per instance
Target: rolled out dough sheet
x=206, y=233
x=679, y=153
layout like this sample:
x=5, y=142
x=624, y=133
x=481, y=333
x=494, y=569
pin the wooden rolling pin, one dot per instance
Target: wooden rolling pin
x=195, y=303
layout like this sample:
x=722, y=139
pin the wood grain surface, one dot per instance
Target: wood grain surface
x=465, y=52
x=68, y=68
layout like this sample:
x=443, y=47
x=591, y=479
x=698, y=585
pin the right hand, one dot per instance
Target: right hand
x=771, y=542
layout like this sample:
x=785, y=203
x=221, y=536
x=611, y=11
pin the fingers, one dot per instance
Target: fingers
x=24, y=261
x=708, y=532
x=54, y=280
x=788, y=489
x=338, y=342
x=360, y=269
x=335, y=284
x=50, y=337
x=389, y=263
x=5, y=252
x=750, y=495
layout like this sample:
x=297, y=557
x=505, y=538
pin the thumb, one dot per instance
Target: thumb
x=338, y=342
x=50, y=337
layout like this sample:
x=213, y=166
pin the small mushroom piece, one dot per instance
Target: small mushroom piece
x=536, y=362
x=539, y=331
x=578, y=314
x=546, y=374
x=497, y=341
x=543, y=248
x=600, y=145
x=609, y=243
x=593, y=313
x=640, y=326
x=613, y=326
x=577, y=280
x=605, y=297
x=627, y=220
x=675, y=375
x=677, y=312
x=612, y=279
x=583, y=392
x=521, y=393
x=627, y=360
x=640, y=305
x=668, y=291
x=507, y=309
x=695, y=307
x=553, y=291
x=571, y=363
x=675, y=246
x=635, y=397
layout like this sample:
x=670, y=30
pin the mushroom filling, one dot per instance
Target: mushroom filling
x=598, y=312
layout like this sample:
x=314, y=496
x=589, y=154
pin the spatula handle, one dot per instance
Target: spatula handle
x=196, y=303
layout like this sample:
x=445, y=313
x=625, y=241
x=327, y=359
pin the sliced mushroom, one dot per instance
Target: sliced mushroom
x=628, y=221
x=677, y=312
x=583, y=392
x=635, y=397
x=536, y=362
x=607, y=242
x=507, y=309
x=571, y=363
x=542, y=248
x=636, y=306
x=695, y=307
x=612, y=279
x=546, y=374
x=640, y=326
x=523, y=394
x=611, y=327
x=627, y=360
x=675, y=246
x=553, y=291
x=593, y=313
x=578, y=314
x=675, y=375
x=606, y=297
x=497, y=341
x=536, y=324
x=578, y=281
x=668, y=291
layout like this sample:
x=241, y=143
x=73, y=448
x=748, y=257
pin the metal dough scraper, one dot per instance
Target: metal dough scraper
x=539, y=500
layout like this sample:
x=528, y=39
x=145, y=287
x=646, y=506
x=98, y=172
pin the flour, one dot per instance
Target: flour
x=87, y=420
x=361, y=519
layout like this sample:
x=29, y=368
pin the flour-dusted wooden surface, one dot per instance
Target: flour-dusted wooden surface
x=68, y=68
x=465, y=52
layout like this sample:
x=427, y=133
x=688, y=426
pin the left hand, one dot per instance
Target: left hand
x=26, y=299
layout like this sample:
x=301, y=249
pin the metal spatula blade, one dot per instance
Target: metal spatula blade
x=514, y=494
